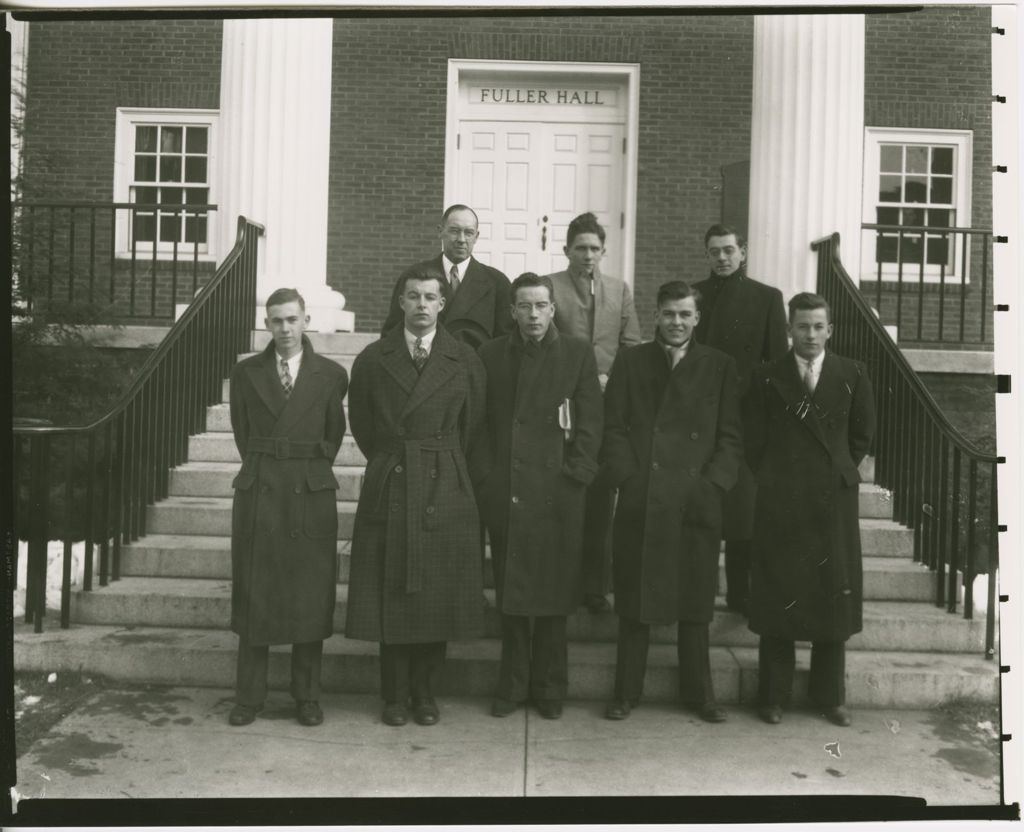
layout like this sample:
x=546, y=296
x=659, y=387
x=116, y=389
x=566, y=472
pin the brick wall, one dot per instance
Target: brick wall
x=388, y=129
x=931, y=68
x=80, y=71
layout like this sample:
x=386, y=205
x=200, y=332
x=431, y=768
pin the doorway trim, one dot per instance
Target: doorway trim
x=630, y=73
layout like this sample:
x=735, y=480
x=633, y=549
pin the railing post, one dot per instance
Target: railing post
x=35, y=585
x=69, y=534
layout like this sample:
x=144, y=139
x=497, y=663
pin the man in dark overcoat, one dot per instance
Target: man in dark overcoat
x=747, y=320
x=672, y=444
x=416, y=405
x=477, y=295
x=809, y=418
x=597, y=307
x=544, y=424
x=288, y=422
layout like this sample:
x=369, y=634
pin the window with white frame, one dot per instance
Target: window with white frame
x=164, y=162
x=918, y=180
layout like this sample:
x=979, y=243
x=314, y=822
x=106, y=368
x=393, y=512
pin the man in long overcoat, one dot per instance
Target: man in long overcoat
x=672, y=443
x=416, y=405
x=597, y=307
x=544, y=423
x=477, y=295
x=288, y=423
x=809, y=419
x=747, y=320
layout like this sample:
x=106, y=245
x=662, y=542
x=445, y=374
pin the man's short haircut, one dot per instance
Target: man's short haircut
x=279, y=296
x=677, y=290
x=451, y=209
x=720, y=230
x=421, y=274
x=584, y=224
x=528, y=280
x=808, y=301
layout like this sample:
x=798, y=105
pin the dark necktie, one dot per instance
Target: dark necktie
x=455, y=280
x=286, y=379
x=419, y=355
x=809, y=380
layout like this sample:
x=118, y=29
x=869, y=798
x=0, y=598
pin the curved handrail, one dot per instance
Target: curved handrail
x=156, y=357
x=896, y=354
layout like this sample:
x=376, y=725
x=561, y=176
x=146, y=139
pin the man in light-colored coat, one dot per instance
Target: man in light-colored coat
x=288, y=423
x=544, y=423
x=416, y=404
x=598, y=308
x=672, y=446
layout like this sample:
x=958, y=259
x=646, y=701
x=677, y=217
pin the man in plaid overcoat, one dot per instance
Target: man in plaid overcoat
x=416, y=406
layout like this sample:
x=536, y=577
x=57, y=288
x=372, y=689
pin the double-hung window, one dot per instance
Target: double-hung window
x=164, y=163
x=917, y=183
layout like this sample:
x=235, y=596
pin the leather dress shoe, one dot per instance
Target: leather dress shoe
x=772, y=714
x=549, y=708
x=596, y=603
x=617, y=709
x=308, y=712
x=711, y=712
x=838, y=715
x=503, y=707
x=243, y=714
x=425, y=712
x=394, y=713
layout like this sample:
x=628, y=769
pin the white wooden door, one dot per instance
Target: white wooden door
x=527, y=180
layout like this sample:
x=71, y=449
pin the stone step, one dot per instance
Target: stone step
x=194, y=602
x=204, y=556
x=213, y=479
x=220, y=447
x=212, y=515
x=341, y=343
x=180, y=656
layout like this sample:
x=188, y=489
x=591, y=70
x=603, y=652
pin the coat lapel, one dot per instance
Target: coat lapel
x=534, y=374
x=266, y=382
x=680, y=379
x=304, y=392
x=395, y=359
x=607, y=307
x=832, y=389
x=471, y=289
x=786, y=381
x=441, y=366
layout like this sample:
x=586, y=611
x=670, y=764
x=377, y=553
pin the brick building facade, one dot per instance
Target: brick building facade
x=923, y=69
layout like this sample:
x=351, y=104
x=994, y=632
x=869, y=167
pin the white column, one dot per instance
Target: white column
x=807, y=137
x=275, y=122
x=18, y=32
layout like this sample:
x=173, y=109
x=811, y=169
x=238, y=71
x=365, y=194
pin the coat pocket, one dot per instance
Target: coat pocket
x=320, y=507
x=243, y=507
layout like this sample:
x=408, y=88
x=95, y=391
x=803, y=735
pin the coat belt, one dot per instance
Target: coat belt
x=410, y=450
x=281, y=447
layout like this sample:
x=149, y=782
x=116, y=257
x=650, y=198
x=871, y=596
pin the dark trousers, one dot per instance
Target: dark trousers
x=737, y=573
x=409, y=670
x=596, y=565
x=693, y=651
x=534, y=664
x=251, y=675
x=776, y=664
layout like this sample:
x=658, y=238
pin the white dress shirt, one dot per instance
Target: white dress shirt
x=426, y=341
x=814, y=365
x=293, y=364
x=448, y=268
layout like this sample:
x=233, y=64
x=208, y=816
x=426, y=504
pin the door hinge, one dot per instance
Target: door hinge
x=622, y=219
x=623, y=145
x=458, y=141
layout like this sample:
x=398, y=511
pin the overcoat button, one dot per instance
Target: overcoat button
x=433, y=473
x=655, y=466
x=549, y=501
x=430, y=509
x=394, y=506
x=515, y=499
x=693, y=472
x=295, y=534
x=400, y=431
x=298, y=489
x=399, y=469
x=437, y=436
x=549, y=464
x=694, y=435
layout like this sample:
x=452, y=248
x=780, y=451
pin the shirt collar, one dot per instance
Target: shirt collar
x=460, y=266
x=428, y=339
x=293, y=363
x=814, y=363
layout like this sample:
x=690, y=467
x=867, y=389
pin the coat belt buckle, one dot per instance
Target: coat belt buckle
x=281, y=448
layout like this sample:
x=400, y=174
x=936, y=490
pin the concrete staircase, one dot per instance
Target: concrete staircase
x=166, y=620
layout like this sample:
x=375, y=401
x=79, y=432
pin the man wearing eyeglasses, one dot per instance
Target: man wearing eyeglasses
x=544, y=418
x=477, y=296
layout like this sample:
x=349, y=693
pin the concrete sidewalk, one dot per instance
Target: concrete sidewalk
x=176, y=743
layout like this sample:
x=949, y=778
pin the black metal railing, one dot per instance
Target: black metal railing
x=138, y=260
x=943, y=486
x=933, y=282
x=94, y=483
